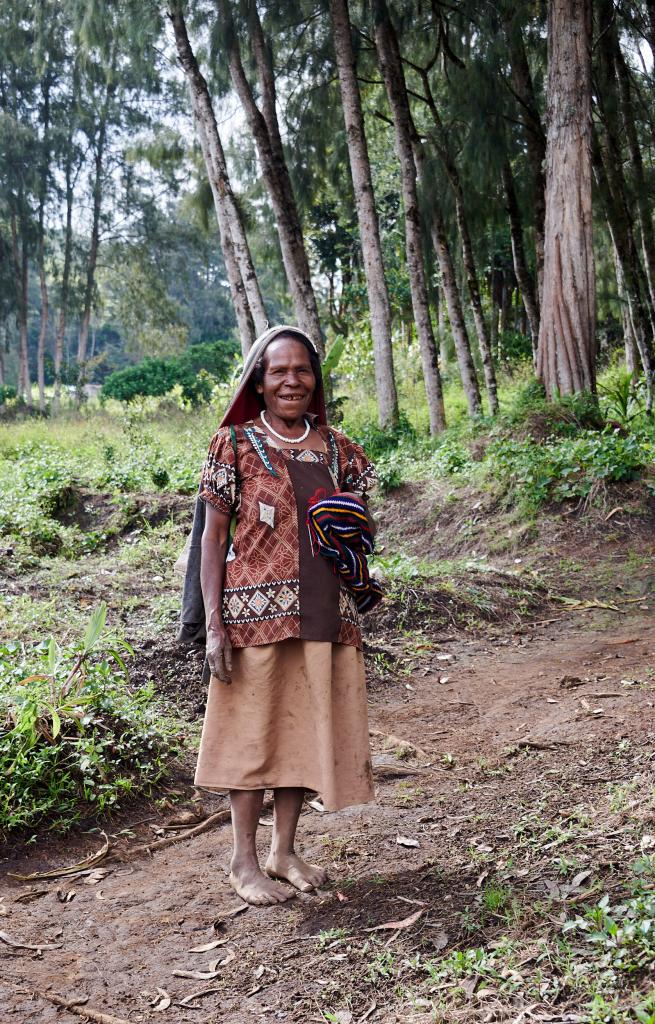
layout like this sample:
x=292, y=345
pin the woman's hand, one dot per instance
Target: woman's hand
x=358, y=498
x=219, y=653
x=215, y=539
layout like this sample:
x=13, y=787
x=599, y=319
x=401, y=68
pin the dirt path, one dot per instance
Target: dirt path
x=534, y=724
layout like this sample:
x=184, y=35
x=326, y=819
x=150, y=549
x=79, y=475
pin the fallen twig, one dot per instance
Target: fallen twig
x=368, y=1013
x=79, y=1007
x=392, y=741
x=15, y=944
x=73, y=869
x=540, y=745
x=204, y=826
x=584, y=606
x=197, y=995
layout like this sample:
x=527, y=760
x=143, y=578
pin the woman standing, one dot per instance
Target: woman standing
x=287, y=701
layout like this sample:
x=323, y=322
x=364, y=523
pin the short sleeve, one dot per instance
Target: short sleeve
x=358, y=474
x=218, y=483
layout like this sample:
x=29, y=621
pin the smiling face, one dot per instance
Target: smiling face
x=289, y=382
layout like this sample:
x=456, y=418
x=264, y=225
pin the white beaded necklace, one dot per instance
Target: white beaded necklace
x=281, y=437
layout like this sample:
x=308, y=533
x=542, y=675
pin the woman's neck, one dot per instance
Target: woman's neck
x=291, y=425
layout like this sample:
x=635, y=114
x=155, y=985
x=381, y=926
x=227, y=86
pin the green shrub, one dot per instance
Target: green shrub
x=195, y=371
x=564, y=417
x=623, y=397
x=451, y=457
x=565, y=468
x=74, y=737
x=35, y=486
x=378, y=441
x=623, y=934
x=390, y=472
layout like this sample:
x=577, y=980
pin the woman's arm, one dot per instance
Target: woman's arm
x=215, y=540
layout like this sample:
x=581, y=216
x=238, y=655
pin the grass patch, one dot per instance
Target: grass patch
x=421, y=594
x=75, y=738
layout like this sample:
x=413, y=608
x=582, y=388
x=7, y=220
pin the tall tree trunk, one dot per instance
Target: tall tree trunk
x=629, y=339
x=567, y=343
x=68, y=251
x=94, y=242
x=441, y=326
x=441, y=247
x=265, y=131
x=394, y=80
x=614, y=190
x=43, y=327
x=369, y=230
x=21, y=272
x=43, y=285
x=496, y=289
x=523, y=275
x=618, y=221
x=650, y=24
x=643, y=205
x=506, y=304
x=468, y=260
x=468, y=257
x=244, y=285
x=535, y=138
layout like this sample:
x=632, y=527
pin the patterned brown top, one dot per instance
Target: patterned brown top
x=273, y=588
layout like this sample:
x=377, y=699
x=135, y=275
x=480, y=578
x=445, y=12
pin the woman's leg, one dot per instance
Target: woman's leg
x=246, y=876
x=282, y=860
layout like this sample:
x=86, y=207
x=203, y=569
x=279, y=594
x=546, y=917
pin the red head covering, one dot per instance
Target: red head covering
x=245, y=404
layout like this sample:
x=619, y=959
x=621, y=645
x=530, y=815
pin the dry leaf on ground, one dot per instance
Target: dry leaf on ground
x=208, y=946
x=197, y=995
x=227, y=958
x=196, y=975
x=407, y=841
x=185, y=818
x=162, y=1002
x=97, y=875
x=407, y=922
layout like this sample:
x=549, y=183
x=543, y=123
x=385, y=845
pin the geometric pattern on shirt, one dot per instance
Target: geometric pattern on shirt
x=308, y=454
x=305, y=455
x=261, y=602
x=267, y=514
x=219, y=483
x=348, y=607
x=263, y=554
x=259, y=448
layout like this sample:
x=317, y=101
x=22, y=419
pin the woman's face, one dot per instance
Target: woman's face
x=289, y=380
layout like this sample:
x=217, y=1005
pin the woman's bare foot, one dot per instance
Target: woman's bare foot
x=256, y=888
x=295, y=871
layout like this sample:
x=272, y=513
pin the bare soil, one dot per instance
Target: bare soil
x=498, y=751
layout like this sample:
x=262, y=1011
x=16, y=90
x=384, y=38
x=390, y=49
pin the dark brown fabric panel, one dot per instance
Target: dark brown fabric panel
x=319, y=585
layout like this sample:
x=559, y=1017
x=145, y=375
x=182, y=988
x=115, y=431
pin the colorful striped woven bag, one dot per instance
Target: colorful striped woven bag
x=339, y=530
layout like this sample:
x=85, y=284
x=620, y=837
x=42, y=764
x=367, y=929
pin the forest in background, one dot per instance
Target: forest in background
x=455, y=200
x=376, y=174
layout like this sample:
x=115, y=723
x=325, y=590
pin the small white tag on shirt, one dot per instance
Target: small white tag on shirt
x=267, y=514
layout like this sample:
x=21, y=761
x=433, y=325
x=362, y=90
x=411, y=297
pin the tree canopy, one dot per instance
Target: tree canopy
x=176, y=174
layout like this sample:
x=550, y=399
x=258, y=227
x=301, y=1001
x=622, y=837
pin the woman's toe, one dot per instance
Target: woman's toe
x=297, y=879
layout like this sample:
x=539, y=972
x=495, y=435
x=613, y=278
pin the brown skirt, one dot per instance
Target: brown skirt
x=294, y=715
